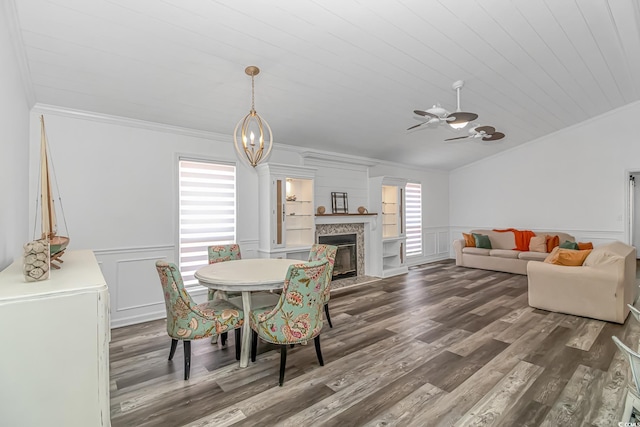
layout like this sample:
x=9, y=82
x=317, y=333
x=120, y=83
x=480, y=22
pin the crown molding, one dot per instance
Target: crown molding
x=15, y=36
x=125, y=121
x=320, y=158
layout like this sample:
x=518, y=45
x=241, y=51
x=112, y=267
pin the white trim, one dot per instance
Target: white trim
x=125, y=121
x=140, y=318
x=627, y=207
x=115, y=251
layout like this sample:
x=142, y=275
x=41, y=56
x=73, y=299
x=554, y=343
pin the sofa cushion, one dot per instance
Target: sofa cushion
x=569, y=245
x=482, y=241
x=601, y=256
x=504, y=253
x=499, y=240
x=568, y=257
x=533, y=256
x=538, y=244
x=476, y=251
x=469, y=240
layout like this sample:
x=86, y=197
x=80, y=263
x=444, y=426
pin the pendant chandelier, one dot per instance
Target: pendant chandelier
x=252, y=132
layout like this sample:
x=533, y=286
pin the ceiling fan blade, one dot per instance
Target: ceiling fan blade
x=486, y=129
x=460, y=116
x=459, y=137
x=496, y=136
x=424, y=113
x=415, y=126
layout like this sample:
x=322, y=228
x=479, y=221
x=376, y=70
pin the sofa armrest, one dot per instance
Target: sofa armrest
x=595, y=292
x=457, y=246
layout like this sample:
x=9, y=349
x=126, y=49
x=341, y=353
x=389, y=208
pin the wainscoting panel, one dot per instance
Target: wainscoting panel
x=134, y=287
x=443, y=242
x=430, y=243
x=435, y=246
x=137, y=284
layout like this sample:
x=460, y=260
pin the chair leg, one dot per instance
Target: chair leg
x=318, y=350
x=326, y=313
x=238, y=343
x=174, y=344
x=187, y=358
x=223, y=337
x=283, y=362
x=254, y=345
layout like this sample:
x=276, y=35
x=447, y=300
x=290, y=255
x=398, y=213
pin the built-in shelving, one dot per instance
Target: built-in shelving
x=389, y=244
x=287, y=228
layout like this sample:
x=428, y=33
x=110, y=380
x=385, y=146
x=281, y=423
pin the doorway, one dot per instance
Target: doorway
x=633, y=208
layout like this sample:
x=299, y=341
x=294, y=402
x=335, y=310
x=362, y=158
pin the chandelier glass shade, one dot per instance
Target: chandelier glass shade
x=252, y=136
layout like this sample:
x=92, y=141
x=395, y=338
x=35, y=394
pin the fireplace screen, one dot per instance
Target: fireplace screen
x=345, y=264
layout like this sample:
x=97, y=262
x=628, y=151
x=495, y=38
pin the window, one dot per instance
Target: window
x=413, y=199
x=207, y=212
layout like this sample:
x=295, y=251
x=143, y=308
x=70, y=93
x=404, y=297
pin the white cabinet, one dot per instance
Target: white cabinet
x=55, y=336
x=287, y=212
x=388, y=244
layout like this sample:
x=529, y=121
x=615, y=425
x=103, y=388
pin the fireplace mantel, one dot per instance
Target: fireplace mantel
x=371, y=219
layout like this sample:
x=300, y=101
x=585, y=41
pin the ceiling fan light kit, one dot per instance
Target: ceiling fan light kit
x=487, y=133
x=436, y=114
x=461, y=119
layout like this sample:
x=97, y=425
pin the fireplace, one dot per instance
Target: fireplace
x=346, y=264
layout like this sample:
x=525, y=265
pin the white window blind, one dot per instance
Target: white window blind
x=413, y=200
x=207, y=197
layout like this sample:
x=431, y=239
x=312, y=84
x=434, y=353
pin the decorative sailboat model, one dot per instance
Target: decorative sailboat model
x=57, y=244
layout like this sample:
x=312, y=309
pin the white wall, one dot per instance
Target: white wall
x=118, y=182
x=574, y=180
x=14, y=151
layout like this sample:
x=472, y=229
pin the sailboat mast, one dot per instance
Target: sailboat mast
x=48, y=210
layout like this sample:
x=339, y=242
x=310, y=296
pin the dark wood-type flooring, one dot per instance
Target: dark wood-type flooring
x=441, y=345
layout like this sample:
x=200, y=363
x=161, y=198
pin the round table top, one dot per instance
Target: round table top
x=245, y=274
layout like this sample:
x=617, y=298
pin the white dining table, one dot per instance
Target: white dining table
x=246, y=276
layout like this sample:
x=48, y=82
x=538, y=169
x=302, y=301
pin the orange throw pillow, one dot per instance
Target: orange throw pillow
x=568, y=257
x=469, y=240
x=585, y=245
x=552, y=242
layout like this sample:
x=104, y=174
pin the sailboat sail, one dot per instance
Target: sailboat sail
x=49, y=226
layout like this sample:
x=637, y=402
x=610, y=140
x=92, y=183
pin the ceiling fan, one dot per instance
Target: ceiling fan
x=487, y=133
x=437, y=114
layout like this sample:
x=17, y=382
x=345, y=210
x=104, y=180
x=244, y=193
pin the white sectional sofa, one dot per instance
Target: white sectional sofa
x=601, y=288
x=502, y=257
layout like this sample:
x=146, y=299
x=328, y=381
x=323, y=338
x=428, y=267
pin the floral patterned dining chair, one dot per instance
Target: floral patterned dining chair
x=187, y=321
x=222, y=253
x=318, y=252
x=297, y=317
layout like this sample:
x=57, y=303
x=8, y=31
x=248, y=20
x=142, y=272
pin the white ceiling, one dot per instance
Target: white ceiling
x=340, y=75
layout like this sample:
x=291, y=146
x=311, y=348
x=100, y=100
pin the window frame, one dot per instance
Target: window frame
x=179, y=157
x=410, y=254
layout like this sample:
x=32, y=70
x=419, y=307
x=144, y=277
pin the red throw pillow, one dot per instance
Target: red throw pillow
x=552, y=242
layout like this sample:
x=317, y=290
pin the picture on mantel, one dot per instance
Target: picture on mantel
x=339, y=203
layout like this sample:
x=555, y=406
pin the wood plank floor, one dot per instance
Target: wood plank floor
x=441, y=345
